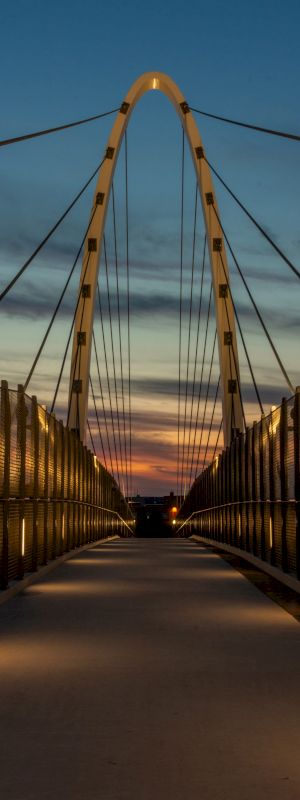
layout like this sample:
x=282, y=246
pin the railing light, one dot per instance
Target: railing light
x=63, y=527
x=239, y=526
x=271, y=532
x=274, y=420
x=23, y=539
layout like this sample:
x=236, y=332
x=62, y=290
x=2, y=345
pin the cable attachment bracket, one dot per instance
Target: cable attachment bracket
x=185, y=107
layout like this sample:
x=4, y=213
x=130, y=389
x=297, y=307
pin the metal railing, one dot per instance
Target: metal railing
x=249, y=497
x=54, y=494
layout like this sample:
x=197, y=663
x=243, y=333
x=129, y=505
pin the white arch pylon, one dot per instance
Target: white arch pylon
x=83, y=326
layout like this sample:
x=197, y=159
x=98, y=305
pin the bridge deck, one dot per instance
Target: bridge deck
x=148, y=670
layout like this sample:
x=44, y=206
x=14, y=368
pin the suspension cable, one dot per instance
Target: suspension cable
x=125, y=477
x=278, y=359
x=128, y=315
x=189, y=336
x=40, y=350
x=102, y=400
x=112, y=349
x=108, y=381
x=200, y=385
x=211, y=422
x=180, y=309
x=78, y=353
x=91, y=437
x=284, y=135
x=45, y=132
x=69, y=339
x=257, y=225
x=217, y=442
x=196, y=355
x=49, y=234
x=206, y=399
x=98, y=423
x=232, y=356
x=242, y=338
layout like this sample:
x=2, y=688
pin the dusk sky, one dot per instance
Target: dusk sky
x=68, y=60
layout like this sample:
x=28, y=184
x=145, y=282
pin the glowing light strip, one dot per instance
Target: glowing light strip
x=23, y=539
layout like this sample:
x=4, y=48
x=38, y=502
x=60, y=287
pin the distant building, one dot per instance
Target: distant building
x=154, y=515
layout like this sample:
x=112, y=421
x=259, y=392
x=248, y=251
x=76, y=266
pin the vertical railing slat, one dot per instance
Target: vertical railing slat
x=5, y=427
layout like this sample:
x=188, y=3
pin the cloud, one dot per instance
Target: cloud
x=22, y=245
x=280, y=275
x=32, y=303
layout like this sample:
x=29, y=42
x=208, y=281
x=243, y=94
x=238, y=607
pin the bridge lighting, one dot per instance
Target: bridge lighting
x=23, y=538
x=271, y=533
x=155, y=83
x=274, y=420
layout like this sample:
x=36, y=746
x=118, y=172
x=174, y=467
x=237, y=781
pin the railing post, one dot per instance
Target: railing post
x=92, y=496
x=271, y=437
x=254, y=467
x=262, y=492
x=218, y=499
x=248, y=498
x=98, y=502
x=86, y=494
x=54, y=498
x=241, y=490
x=62, y=488
x=210, y=502
x=284, y=481
x=21, y=444
x=73, y=487
x=95, y=499
x=35, y=459
x=79, y=495
x=296, y=414
x=221, y=469
x=67, y=478
x=46, y=490
x=227, y=495
x=236, y=494
x=83, y=492
x=89, y=495
x=5, y=424
x=77, y=490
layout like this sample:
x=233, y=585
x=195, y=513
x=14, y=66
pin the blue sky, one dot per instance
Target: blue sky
x=64, y=61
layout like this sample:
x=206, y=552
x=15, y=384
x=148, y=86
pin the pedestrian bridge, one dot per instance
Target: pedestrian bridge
x=236, y=462
x=152, y=668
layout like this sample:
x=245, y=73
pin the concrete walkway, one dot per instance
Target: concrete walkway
x=148, y=670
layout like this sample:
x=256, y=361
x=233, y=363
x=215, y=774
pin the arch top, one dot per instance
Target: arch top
x=154, y=81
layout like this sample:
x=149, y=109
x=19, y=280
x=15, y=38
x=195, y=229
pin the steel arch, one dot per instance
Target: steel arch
x=83, y=327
